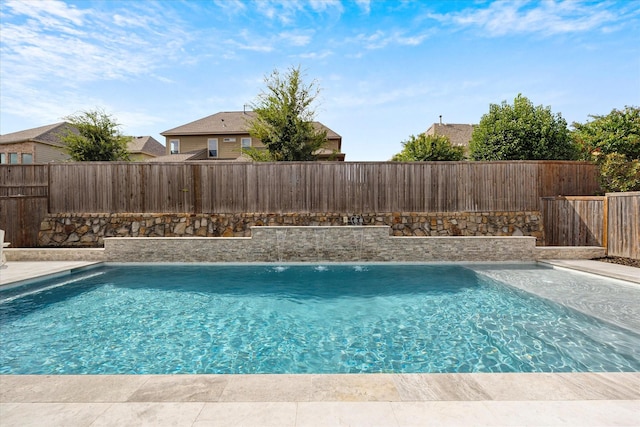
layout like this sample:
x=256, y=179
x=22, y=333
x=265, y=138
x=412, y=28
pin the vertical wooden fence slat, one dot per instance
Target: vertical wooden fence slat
x=624, y=224
x=573, y=221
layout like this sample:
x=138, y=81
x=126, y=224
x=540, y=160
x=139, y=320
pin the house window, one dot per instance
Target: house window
x=212, y=143
x=3, y=158
x=27, y=158
x=246, y=142
x=13, y=158
x=175, y=146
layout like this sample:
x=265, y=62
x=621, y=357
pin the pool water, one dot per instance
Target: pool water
x=298, y=319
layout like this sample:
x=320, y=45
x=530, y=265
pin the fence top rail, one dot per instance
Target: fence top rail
x=626, y=194
x=235, y=162
x=573, y=198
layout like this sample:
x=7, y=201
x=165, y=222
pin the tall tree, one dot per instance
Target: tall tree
x=98, y=138
x=521, y=132
x=425, y=148
x=284, y=118
x=613, y=142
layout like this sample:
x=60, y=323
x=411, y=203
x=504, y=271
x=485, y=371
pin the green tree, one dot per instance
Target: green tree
x=521, y=132
x=427, y=148
x=284, y=119
x=613, y=142
x=98, y=138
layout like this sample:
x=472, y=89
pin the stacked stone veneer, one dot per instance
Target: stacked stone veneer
x=320, y=244
x=90, y=230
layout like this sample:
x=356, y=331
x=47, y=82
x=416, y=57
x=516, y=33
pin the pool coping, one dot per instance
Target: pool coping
x=319, y=399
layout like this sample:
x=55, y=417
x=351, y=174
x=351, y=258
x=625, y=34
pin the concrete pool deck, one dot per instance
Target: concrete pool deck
x=563, y=399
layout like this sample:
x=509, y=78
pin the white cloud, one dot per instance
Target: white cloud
x=381, y=39
x=231, y=7
x=48, y=13
x=295, y=38
x=316, y=55
x=548, y=17
x=324, y=5
x=365, y=5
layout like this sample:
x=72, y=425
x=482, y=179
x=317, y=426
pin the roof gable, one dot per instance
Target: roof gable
x=145, y=144
x=227, y=122
x=459, y=134
x=49, y=134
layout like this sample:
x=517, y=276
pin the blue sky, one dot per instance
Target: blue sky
x=387, y=69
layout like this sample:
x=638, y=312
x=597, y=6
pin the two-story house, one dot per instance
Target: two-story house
x=459, y=134
x=37, y=145
x=45, y=144
x=222, y=136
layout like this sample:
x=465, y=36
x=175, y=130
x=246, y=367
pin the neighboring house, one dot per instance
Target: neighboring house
x=38, y=145
x=142, y=148
x=459, y=134
x=44, y=144
x=222, y=136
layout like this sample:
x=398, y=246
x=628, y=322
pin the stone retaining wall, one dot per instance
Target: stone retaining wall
x=320, y=244
x=90, y=230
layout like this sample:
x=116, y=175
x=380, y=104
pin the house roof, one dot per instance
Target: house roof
x=226, y=123
x=193, y=156
x=146, y=145
x=49, y=134
x=459, y=134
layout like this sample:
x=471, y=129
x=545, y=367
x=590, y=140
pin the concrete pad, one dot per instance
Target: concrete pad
x=353, y=388
x=267, y=388
x=247, y=414
x=607, y=269
x=69, y=388
x=454, y=414
x=51, y=414
x=149, y=414
x=18, y=271
x=352, y=414
x=181, y=388
x=575, y=413
x=439, y=387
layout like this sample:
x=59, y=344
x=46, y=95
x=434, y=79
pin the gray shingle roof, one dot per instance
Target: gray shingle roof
x=49, y=134
x=226, y=122
x=145, y=144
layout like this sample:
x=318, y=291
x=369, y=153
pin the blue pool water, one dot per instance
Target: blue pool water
x=298, y=319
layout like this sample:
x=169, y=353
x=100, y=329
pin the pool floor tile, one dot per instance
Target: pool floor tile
x=249, y=414
x=352, y=414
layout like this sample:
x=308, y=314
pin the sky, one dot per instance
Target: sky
x=386, y=70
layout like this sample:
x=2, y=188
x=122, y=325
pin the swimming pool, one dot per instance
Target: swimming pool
x=300, y=319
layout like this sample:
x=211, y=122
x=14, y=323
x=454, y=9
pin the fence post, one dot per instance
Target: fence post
x=48, y=188
x=196, y=172
x=605, y=225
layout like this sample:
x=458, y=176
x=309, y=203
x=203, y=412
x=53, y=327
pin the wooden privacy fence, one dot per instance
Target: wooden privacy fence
x=611, y=221
x=27, y=192
x=314, y=186
x=623, y=224
x=574, y=221
x=24, y=197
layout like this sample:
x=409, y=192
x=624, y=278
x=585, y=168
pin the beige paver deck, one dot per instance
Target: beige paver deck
x=575, y=399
